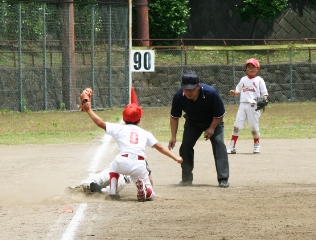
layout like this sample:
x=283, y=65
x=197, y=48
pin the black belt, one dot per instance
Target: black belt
x=139, y=157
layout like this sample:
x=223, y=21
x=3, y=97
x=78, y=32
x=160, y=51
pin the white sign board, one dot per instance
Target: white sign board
x=142, y=61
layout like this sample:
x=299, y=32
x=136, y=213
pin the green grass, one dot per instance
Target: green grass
x=173, y=55
x=280, y=120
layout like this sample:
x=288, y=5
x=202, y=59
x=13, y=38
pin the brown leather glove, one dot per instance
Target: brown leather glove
x=85, y=99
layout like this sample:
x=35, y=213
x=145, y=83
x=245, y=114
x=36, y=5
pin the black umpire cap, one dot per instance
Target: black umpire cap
x=189, y=80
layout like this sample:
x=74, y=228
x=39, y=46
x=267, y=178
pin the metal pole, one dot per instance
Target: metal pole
x=142, y=22
x=234, y=77
x=69, y=59
x=92, y=52
x=22, y=103
x=109, y=55
x=130, y=49
x=181, y=59
x=44, y=56
x=72, y=88
x=291, y=76
x=126, y=47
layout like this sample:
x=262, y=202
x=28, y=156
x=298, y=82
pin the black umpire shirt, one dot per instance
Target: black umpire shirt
x=207, y=106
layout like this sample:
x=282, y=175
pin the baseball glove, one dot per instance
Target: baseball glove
x=261, y=103
x=85, y=99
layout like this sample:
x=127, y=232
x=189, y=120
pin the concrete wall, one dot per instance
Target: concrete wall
x=284, y=82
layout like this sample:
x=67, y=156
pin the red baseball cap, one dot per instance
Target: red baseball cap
x=132, y=113
x=253, y=61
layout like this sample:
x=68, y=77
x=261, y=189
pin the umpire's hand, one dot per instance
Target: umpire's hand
x=172, y=143
x=208, y=133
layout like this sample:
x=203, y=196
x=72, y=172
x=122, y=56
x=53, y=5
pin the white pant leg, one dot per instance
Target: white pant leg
x=102, y=178
x=253, y=121
x=130, y=165
x=241, y=118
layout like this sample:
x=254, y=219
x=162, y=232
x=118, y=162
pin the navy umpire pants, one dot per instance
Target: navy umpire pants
x=191, y=134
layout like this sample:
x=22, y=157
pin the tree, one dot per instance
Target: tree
x=168, y=18
x=264, y=9
x=299, y=5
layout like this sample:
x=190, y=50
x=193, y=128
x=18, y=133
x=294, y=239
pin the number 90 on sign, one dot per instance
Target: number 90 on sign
x=142, y=61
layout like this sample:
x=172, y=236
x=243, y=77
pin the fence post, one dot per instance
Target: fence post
x=109, y=59
x=291, y=76
x=92, y=53
x=44, y=57
x=234, y=74
x=22, y=103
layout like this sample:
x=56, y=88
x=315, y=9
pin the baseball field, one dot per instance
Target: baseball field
x=271, y=194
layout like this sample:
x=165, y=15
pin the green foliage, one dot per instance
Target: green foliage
x=23, y=109
x=63, y=106
x=264, y=9
x=168, y=18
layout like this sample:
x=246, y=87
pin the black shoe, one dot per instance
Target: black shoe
x=223, y=183
x=185, y=183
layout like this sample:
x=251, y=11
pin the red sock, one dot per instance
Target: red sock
x=256, y=140
x=149, y=192
x=116, y=176
x=234, y=138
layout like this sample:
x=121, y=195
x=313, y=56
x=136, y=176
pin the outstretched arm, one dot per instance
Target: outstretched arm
x=167, y=152
x=95, y=118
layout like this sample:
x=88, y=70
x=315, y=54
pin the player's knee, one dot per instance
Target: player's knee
x=255, y=133
x=236, y=130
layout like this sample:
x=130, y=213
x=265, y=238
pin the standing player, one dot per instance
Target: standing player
x=204, y=112
x=249, y=88
x=132, y=141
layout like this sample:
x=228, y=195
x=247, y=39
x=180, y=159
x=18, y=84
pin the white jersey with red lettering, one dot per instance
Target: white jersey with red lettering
x=130, y=138
x=250, y=89
x=132, y=141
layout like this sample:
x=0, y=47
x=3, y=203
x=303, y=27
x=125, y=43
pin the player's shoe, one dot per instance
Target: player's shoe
x=105, y=190
x=185, y=183
x=231, y=150
x=141, y=190
x=127, y=179
x=256, y=148
x=223, y=183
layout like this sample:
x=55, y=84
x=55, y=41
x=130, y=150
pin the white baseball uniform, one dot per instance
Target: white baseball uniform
x=132, y=141
x=249, y=90
x=103, y=179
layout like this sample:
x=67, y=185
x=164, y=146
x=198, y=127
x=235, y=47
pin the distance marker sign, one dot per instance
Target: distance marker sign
x=142, y=61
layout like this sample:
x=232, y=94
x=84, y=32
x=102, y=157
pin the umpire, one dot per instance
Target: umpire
x=204, y=111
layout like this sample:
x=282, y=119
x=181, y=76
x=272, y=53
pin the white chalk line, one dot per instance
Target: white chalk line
x=79, y=215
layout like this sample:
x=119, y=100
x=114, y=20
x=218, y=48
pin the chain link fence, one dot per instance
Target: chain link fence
x=289, y=71
x=50, y=52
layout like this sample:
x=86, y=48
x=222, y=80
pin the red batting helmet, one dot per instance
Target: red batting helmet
x=132, y=113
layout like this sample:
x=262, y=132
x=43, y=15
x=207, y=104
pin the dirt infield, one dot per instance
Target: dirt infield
x=272, y=195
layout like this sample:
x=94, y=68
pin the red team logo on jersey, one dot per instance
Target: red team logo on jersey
x=248, y=89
